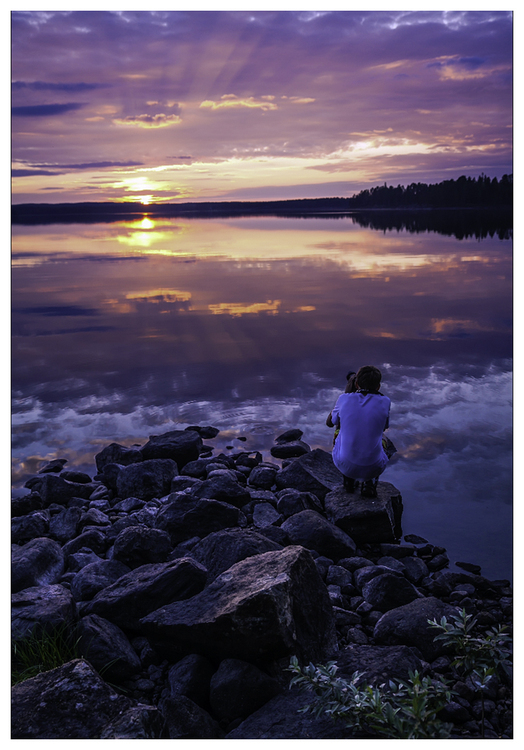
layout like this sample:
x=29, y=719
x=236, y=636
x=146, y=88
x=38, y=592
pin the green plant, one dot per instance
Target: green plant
x=400, y=709
x=479, y=656
x=42, y=650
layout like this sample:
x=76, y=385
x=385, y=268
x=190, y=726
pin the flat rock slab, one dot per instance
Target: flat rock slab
x=313, y=472
x=265, y=607
x=367, y=520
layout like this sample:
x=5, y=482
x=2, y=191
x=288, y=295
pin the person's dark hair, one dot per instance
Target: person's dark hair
x=368, y=378
x=351, y=386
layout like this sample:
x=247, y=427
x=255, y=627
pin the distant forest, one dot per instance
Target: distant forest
x=464, y=193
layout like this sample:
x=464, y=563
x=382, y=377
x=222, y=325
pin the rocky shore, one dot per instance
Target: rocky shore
x=188, y=580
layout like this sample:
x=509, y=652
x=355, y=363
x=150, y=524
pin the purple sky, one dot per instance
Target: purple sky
x=240, y=105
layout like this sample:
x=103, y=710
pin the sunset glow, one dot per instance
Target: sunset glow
x=175, y=106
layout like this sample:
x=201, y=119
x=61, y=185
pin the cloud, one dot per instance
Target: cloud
x=230, y=101
x=49, y=86
x=45, y=110
x=149, y=121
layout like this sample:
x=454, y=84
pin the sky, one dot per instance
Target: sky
x=178, y=106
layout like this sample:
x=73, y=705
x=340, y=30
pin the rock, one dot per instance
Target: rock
x=107, y=648
x=148, y=479
x=56, y=465
x=54, y=489
x=224, y=488
x=93, y=517
x=408, y=625
x=70, y=702
x=191, y=676
x=293, y=501
x=31, y=526
x=313, y=472
x=388, y=591
x=208, y=432
x=378, y=664
x=117, y=454
x=220, y=550
x=80, y=559
x=282, y=718
x=187, y=721
x=40, y=562
x=265, y=607
x=128, y=505
x=137, y=723
x=364, y=574
x=76, y=476
x=365, y=520
x=415, y=569
x=289, y=436
x=93, y=539
x=311, y=530
x=339, y=576
x=21, y=506
x=145, y=589
x=184, y=517
x=39, y=609
x=264, y=515
x=181, y=446
x=140, y=545
x=263, y=477
x=95, y=577
x=239, y=688
x=65, y=524
x=290, y=449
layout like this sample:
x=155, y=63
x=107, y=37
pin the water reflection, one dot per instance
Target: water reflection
x=127, y=329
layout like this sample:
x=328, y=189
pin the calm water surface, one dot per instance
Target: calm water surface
x=123, y=330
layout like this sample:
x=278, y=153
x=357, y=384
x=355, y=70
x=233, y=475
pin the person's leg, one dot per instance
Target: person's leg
x=369, y=488
x=349, y=484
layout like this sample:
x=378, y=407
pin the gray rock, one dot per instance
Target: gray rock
x=95, y=577
x=263, y=477
x=293, y=501
x=220, y=550
x=311, y=530
x=143, y=590
x=366, y=520
x=408, y=625
x=289, y=436
x=30, y=526
x=239, y=688
x=339, y=576
x=264, y=514
x=378, y=664
x=39, y=609
x=40, y=562
x=290, y=449
x=313, y=472
x=363, y=575
x=21, y=506
x=93, y=539
x=185, y=517
x=224, y=488
x=80, y=559
x=137, y=723
x=54, y=489
x=265, y=607
x=76, y=476
x=107, y=648
x=56, y=465
x=148, y=479
x=187, y=721
x=388, y=591
x=140, y=545
x=191, y=676
x=181, y=446
x=70, y=702
x=117, y=454
x=282, y=718
x=415, y=569
x=65, y=524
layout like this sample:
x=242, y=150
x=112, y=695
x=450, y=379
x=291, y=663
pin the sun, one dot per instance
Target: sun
x=145, y=200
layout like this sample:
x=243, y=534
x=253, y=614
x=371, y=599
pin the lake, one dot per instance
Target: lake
x=125, y=329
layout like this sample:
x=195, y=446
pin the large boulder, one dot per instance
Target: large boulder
x=107, y=648
x=239, y=688
x=184, y=517
x=191, y=676
x=96, y=576
x=408, y=625
x=262, y=608
x=367, y=520
x=39, y=609
x=30, y=526
x=313, y=472
x=219, y=551
x=388, y=591
x=182, y=446
x=71, y=702
x=143, y=590
x=310, y=529
x=53, y=488
x=223, y=487
x=378, y=664
x=117, y=454
x=146, y=480
x=40, y=562
x=140, y=545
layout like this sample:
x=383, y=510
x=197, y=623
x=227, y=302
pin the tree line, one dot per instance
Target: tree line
x=465, y=192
